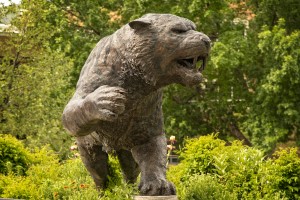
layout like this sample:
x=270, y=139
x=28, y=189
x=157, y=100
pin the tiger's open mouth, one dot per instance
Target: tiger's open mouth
x=192, y=63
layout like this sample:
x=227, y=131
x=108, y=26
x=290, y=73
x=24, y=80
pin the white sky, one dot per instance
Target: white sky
x=6, y=2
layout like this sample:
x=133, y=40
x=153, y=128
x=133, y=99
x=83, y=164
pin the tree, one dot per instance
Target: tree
x=218, y=104
x=34, y=79
x=275, y=111
x=252, y=88
x=251, y=84
x=80, y=25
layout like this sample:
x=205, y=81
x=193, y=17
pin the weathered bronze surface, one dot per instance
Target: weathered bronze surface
x=118, y=100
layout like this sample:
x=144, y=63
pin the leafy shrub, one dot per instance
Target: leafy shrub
x=13, y=156
x=282, y=174
x=238, y=167
x=205, y=187
x=117, y=188
x=28, y=186
x=120, y=192
x=114, y=172
x=242, y=171
x=68, y=180
x=51, y=180
x=48, y=178
x=197, y=155
x=209, y=170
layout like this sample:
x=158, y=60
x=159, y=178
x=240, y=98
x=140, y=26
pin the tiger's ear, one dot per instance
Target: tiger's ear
x=139, y=24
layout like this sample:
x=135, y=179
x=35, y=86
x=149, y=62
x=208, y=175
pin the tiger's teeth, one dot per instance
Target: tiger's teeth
x=204, y=60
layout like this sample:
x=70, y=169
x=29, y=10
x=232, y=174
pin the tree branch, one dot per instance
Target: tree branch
x=238, y=134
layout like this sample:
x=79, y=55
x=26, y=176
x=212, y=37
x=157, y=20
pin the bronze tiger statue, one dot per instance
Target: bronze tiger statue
x=118, y=100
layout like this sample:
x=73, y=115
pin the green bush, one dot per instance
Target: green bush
x=14, y=157
x=52, y=180
x=120, y=192
x=197, y=155
x=115, y=176
x=240, y=170
x=67, y=180
x=282, y=174
x=48, y=178
x=205, y=187
x=209, y=170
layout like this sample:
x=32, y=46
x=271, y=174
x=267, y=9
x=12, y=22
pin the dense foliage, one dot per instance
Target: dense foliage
x=252, y=79
x=34, y=79
x=234, y=172
x=275, y=110
x=13, y=156
x=251, y=92
x=209, y=169
x=46, y=178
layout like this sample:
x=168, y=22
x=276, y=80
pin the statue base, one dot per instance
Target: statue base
x=172, y=197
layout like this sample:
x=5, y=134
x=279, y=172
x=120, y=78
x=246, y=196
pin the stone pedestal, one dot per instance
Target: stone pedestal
x=172, y=197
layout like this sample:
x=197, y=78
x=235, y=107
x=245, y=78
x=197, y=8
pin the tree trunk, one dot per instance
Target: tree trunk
x=235, y=131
